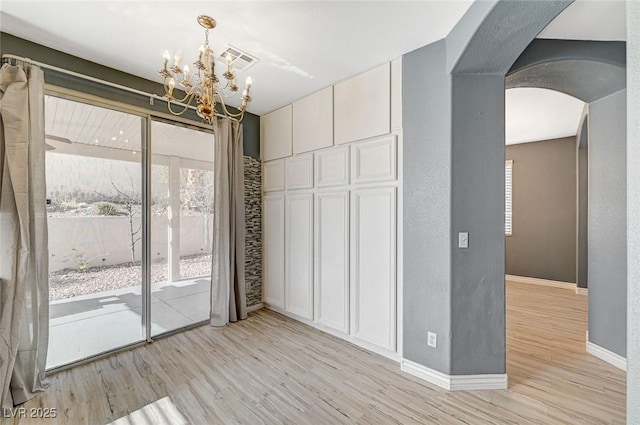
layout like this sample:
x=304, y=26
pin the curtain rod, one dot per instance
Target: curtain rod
x=151, y=96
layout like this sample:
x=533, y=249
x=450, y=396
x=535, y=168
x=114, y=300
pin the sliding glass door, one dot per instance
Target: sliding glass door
x=103, y=234
x=94, y=207
x=181, y=226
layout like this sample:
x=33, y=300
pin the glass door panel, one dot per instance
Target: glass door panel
x=181, y=226
x=94, y=208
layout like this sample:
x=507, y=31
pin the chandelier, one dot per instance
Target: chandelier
x=203, y=86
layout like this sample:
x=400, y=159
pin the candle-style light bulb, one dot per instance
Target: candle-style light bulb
x=200, y=52
x=166, y=56
x=177, y=57
x=186, y=73
x=172, y=84
x=229, y=59
x=249, y=82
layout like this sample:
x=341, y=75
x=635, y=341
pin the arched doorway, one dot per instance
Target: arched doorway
x=453, y=188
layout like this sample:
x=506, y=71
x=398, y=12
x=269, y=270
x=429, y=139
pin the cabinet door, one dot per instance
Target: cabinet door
x=362, y=105
x=300, y=172
x=276, y=136
x=273, y=175
x=374, y=161
x=332, y=167
x=373, y=294
x=332, y=260
x=273, y=234
x=313, y=121
x=299, y=255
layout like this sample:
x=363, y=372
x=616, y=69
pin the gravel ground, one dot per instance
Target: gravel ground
x=69, y=283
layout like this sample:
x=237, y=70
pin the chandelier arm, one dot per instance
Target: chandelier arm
x=186, y=105
x=188, y=95
x=228, y=95
x=227, y=112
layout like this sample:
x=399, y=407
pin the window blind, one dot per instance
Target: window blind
x=508, y=201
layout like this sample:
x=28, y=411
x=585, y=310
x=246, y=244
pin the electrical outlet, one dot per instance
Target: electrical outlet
x=432, y=339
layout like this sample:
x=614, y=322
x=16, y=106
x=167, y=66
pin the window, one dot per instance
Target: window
x=508, y=197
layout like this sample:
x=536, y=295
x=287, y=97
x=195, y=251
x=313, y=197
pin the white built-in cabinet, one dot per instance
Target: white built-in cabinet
x=276, y=134
x=339, y=232
x=273, y=175
x=373, y=271
x=299, y=255
x=273, y=272
x=362, y=105
x=300, y=172
x=332, y=260
x=330, y=236
x=313, y=122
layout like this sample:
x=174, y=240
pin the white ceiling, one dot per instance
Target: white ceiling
x=604, y=20
x=533, y=114
x=302, y=46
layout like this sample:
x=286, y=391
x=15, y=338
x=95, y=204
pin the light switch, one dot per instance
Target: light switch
x=463, y=240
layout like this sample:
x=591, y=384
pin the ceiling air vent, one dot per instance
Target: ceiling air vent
x=241, y=60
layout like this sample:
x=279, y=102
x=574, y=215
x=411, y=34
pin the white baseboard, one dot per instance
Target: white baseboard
x=455, y=382
x=543, y=282
x=606, y=355
x=255, y=307
x=582, y=291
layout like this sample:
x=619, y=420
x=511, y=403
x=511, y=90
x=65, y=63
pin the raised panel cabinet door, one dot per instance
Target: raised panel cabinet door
x=374, y=160
x=300, y=172
x=373, y=290
x=276, y=134
x=273, y=172
x=273, y=248
x=313, y=121
x=332, y=167
x=332, y=260
x=299, y=255
x=362, y=105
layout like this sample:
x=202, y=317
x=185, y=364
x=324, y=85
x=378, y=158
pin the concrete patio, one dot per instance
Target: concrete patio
x=88, y=325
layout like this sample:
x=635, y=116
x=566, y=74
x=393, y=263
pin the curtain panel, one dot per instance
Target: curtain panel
x=228, y=291
x=24, y=295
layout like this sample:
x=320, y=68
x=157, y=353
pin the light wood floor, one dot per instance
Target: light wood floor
x=270, y=369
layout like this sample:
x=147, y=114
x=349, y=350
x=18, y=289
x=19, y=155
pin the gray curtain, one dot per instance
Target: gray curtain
x=228, y=292
x=24, y=258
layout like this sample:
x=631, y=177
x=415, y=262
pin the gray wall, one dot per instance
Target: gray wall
x=427, y=196
x=587, y=70
x=477, y=279
x=582, y=236
x=453, y=124
x=607, y=223
x=543, y=243
x=10, y=44
x=633, y=216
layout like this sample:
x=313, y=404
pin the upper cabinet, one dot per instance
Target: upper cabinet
x=362, y=105
x=276, y=134
x=313, y=122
